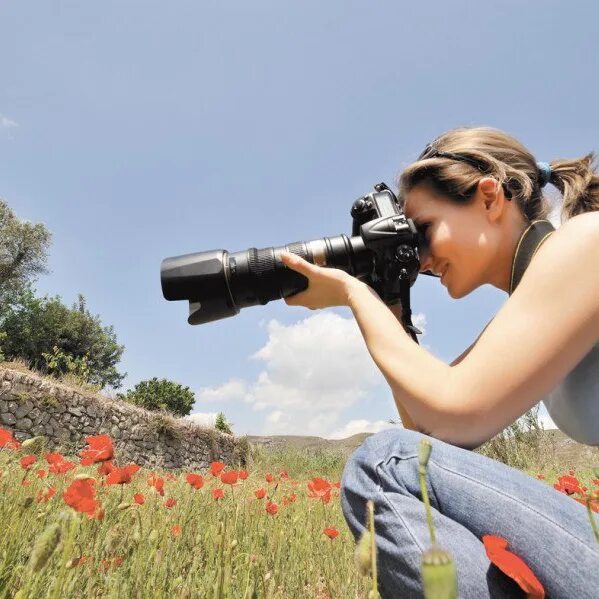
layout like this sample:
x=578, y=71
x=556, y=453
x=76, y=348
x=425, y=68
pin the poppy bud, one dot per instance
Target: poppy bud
x=439, y=577
x=233, y=543
x=83, y=476
x=153, y=536
x=424, y=452
x=123, y=506
x=34, y=444
x=362, y=553
x=44, y=547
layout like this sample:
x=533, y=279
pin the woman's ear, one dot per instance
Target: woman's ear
x=491, y=196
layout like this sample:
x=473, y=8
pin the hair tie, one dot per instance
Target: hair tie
x=544, y=173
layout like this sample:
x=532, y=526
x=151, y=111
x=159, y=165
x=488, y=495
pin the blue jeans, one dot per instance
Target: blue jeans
x=471, y=496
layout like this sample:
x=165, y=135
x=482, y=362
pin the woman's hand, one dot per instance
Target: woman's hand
x=327, y=287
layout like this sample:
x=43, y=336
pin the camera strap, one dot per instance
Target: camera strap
x=529, y=243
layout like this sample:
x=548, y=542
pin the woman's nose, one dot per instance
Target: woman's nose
x=425, y=262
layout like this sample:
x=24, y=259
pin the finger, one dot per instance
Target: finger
x=297, y=263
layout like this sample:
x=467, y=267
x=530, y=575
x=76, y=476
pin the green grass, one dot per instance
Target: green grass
x=226, y=548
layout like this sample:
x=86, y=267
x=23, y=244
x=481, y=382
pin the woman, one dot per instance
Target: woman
x=474, y=193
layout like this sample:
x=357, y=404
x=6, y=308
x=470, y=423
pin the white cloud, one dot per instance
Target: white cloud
x=353, y=427
x=234, y=389
x=6, y=123
x=313, y=370
x=202, y=418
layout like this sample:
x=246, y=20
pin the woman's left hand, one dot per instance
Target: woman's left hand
x=327, y=287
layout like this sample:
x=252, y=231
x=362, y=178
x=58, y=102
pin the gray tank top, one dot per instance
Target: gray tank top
x=574, y=403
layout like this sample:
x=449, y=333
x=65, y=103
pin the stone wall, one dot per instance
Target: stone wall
x=32, y=405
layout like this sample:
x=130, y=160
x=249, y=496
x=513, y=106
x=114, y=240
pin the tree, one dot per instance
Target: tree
x=161, y=395
x=34, y=326
x=23, y=252
x=221, y=424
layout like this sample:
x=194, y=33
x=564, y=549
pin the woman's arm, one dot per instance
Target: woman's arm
x=544, y=329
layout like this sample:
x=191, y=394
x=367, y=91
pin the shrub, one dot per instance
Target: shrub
x=160, y=395
x=221, y=424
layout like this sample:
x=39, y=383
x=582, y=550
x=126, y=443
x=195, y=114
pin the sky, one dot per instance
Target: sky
x=141, y=130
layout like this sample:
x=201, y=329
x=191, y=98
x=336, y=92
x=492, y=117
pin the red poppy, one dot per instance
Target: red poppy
x=170, y=502
x=176, y=530
x=81, y=496
x=595, y=481
x=61, y=466
x=243, y=474
x=269, y=478
x=170, y=476
x=41, y=473
x=27, y=461
x=139, y=498
x=511, y=565
x=319, y=489
x=7, y=440
x=99, y=450
x=216, y=468
x=105, y=468
x=195, y=480
x=568, y=485
x=337, y=484
x=331, y=532
x=52, y=458
x=229, y=477
x=260, y=493
x=158, y=483
x=283, y=475
x=272, y=508
x=122, y=476
x=218, y=494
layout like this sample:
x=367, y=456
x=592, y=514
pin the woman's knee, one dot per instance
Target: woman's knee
x=359, y=480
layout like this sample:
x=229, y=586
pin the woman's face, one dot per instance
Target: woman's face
x=465, y=241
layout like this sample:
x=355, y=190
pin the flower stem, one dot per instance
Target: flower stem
x=592, y=519
x=375, y=592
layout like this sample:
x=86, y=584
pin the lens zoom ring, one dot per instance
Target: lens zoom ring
x=299, y=248
x=262, y=266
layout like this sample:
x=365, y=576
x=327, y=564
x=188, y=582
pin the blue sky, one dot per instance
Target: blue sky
x=140, y=130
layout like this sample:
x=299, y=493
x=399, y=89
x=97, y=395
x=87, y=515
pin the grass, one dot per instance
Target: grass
x=199, y=547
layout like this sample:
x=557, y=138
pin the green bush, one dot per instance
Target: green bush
x=33, y=327
x=221, y=424
x=520, y=445
x=161, y=395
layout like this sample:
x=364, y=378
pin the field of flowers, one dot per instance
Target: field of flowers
x=85, y=527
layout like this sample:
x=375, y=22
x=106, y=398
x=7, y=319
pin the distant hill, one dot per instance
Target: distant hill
x=566, y=451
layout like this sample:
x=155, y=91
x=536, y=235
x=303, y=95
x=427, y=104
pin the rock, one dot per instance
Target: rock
x=24, y=424
x=8, y=419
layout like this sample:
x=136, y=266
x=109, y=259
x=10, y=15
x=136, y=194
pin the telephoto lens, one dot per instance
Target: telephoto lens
x=218, y=283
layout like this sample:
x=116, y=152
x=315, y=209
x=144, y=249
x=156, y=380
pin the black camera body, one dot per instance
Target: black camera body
x=383, y=251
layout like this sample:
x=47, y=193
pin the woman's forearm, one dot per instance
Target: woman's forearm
x=417, y=379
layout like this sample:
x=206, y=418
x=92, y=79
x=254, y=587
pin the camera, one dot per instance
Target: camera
x=383, y=251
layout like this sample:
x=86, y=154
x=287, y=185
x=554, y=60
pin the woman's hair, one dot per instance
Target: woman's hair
x=484, y=151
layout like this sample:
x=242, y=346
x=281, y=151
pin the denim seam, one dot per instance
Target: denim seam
x=397, y=514
x=499, y=492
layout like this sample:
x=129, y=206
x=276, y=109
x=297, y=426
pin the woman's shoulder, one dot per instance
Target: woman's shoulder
x=586, y=224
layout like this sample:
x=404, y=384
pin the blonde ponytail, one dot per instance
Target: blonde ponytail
x=578, y=183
